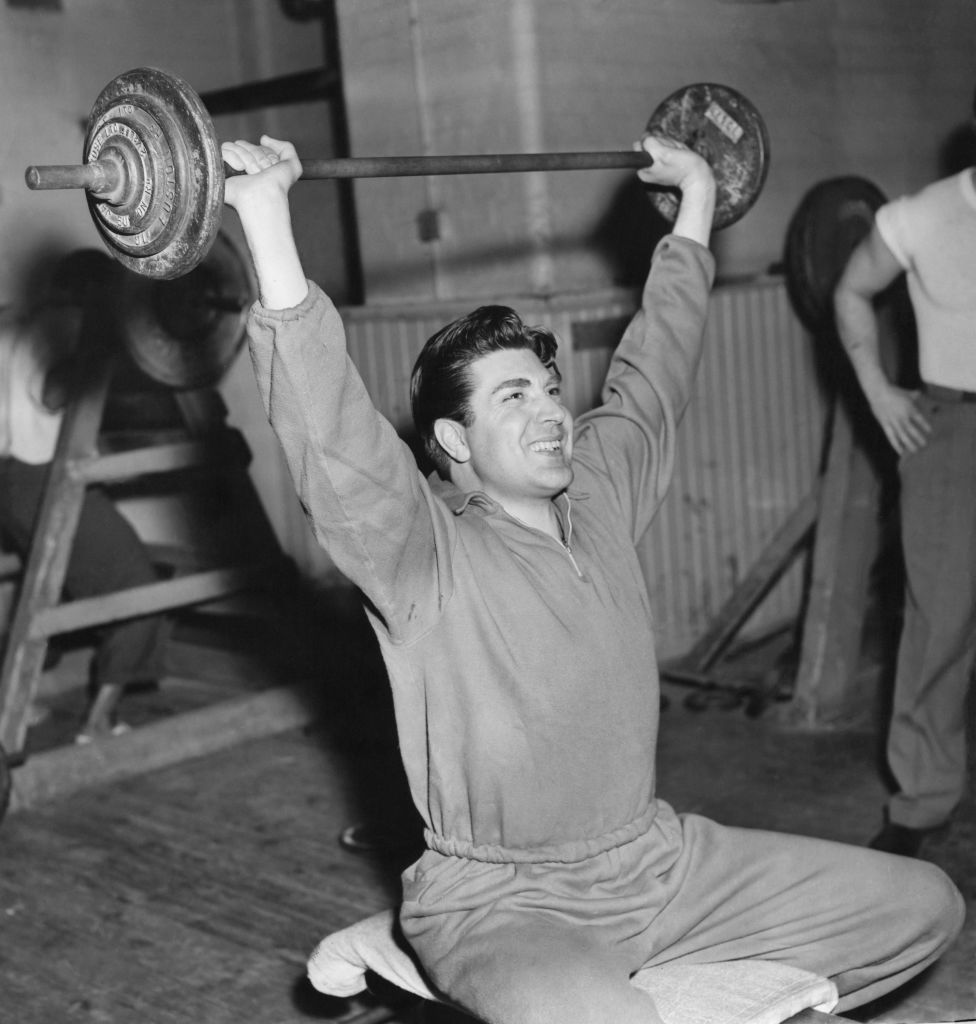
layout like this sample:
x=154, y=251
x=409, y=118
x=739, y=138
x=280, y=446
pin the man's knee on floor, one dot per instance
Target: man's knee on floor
x=952, y=915
x=549, y=982
x=584, y=996
x=929, y=898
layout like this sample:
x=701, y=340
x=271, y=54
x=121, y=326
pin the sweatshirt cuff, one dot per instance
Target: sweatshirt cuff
x=270, y=317
x=697, y=252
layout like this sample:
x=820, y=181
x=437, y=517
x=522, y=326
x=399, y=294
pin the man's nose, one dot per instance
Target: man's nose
x=552, y=410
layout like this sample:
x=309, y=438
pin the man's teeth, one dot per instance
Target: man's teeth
x=546, y=446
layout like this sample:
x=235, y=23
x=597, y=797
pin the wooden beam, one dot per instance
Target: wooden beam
x=57, y=773
x=224, y=449
x=145, y=600
x=298, y=87
x=814, y=1017
x=10, y=565
x=693, y=666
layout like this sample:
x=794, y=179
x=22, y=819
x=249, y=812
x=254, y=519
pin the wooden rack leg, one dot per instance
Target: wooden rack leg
x=694, y=666
x=846, y=545
x=47, y=561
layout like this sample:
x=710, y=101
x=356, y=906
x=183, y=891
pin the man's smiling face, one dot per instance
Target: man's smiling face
x=520, y=438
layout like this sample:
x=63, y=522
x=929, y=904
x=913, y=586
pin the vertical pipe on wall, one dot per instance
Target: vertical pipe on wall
x=339, y=124
x=432, y=189
x=525, y=52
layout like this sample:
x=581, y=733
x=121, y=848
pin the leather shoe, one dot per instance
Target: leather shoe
x=900, y=839
x=367, y=837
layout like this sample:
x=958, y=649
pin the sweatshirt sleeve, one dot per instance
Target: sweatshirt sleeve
x=628, y=442
x=357, y=482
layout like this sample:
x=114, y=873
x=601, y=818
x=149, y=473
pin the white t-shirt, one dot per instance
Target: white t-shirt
x=28, y=347
x=932, y=234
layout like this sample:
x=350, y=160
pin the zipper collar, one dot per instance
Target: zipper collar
x=459, y=501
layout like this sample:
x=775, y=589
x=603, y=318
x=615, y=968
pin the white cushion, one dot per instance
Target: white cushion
x=736, y=992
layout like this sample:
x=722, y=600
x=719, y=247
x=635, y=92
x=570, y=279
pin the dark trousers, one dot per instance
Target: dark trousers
x=107, y=555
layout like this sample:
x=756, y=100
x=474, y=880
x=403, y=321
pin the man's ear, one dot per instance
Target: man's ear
x=453, y=438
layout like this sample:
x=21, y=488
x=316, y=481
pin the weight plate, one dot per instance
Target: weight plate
x=140, y=215
x=724, y=127
x=185, y=332
x=832, y=218
x=166, y=214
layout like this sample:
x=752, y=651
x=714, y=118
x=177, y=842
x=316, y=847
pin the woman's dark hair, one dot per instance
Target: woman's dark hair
x=78, y=271
x=440, y=385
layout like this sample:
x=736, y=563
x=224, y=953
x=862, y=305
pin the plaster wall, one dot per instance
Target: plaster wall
x=868, y=87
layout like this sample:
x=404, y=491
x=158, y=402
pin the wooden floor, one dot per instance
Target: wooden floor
x=195, y=891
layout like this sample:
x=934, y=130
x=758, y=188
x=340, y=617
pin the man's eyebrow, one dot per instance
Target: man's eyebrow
x=514, y=382
x=524, y=382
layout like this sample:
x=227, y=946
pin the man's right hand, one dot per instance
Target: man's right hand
x=904, y=423
x=269, y=165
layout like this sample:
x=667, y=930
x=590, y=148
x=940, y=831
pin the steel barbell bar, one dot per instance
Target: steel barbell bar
x=104, y=177
x=154, y=179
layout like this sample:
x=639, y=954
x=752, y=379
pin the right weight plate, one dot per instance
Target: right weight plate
x=724, y=127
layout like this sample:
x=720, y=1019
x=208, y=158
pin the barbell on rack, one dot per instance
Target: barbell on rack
x=154, y=179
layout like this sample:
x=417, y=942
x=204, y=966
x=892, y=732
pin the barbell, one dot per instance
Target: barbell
x=154, y=178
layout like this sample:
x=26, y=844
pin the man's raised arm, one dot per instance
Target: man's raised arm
x=632, y=432
x=357, y=481
x=260, y=197
x=677, y=166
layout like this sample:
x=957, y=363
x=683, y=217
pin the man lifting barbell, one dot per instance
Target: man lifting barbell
x=512, y=615
x=507, y=597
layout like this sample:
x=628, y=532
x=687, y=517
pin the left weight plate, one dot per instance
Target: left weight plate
x=164, y=217
x=725, y=128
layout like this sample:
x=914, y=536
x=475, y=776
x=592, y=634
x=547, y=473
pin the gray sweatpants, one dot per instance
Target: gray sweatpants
x=927, y=738
x=524, y=943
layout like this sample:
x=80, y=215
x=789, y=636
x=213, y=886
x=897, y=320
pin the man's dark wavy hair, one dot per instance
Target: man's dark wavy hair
x=441, y=384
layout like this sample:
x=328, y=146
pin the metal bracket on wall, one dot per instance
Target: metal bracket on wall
x=299, y=87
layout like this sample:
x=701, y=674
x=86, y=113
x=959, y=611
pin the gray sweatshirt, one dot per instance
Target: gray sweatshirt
x=524, y=675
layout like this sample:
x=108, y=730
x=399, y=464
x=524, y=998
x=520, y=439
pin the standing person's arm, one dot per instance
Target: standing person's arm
x=872, y=267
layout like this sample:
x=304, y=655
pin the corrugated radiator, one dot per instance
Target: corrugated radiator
x=749, y=446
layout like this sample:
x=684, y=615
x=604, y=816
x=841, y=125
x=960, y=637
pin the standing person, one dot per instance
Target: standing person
x=38, y=363
x=514, y=620
x=930, y=237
